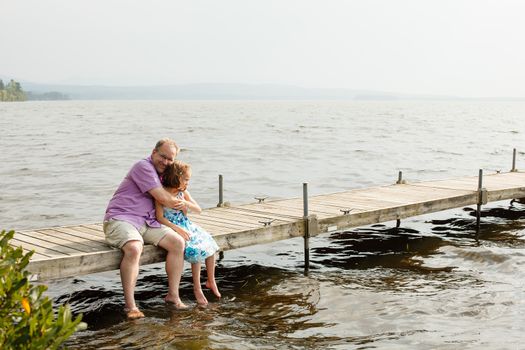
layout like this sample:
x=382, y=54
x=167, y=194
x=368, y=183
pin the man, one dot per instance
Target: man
x=130, y=222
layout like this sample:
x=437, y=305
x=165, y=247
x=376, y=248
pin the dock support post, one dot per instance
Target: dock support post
x=220, y=204
x=399, y=182
x=480, y=189
x=306, y=229
x=513, y=170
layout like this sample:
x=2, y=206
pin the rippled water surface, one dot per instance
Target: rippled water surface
x=433, y=283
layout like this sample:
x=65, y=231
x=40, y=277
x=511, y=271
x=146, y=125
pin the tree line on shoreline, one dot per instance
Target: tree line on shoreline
x=13, y=91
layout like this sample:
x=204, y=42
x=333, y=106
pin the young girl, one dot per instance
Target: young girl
x=200, y=245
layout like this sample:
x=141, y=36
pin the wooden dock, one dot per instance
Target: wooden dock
x=76, y=250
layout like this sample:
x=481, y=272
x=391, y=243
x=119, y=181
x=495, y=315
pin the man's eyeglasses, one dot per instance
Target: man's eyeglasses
x=165, y=157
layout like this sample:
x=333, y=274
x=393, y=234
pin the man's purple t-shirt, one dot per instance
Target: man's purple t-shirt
x=132, y=202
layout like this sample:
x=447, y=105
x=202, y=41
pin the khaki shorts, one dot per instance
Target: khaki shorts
x=120, y=232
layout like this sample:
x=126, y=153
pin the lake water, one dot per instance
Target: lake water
x=432, y=284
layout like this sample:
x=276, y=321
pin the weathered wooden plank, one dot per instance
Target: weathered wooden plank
x=75, y=236
x=228, y=221
x=364, y=199
x=330, y=210
x=95, y=226
x=51, y=244
x=404, y=194
x=88, y=230
x=341, y=208
x=37, y=256
x=362, y=205
x=93, y=235
x=243, y=218
x=37, y=248
x=296, y=205
x=218, y=222
x=317, y=209
x=55, y=240
x=278, y=208
x=213, y=229
x=25, y=249
x=277, y=215
x=345, y=203
x=258, y=216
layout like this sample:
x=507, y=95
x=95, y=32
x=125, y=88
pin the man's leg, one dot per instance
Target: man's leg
x=129, y=271
x=124, y=235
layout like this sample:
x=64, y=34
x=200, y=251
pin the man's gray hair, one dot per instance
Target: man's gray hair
x=168, y=141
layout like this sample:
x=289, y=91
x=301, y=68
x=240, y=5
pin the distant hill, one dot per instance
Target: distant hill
x=212, y=91
x=215, y=92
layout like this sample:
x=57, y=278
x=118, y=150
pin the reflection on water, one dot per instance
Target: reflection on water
x=419, y=285
x=432, y=283
x=260, y=305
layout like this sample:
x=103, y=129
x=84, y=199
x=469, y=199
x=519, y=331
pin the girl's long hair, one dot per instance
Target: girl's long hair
x=174, y=172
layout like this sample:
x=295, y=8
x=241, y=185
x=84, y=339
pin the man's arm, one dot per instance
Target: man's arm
x=166, y=199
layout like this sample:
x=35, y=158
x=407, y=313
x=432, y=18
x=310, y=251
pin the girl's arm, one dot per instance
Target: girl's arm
x=159, y=212
x=191, y=204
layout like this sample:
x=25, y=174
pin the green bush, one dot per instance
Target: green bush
x=27, y=318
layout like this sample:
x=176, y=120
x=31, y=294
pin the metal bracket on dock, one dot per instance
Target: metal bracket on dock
x=311, y=225
x=483, y=197
x=260, y=199
x=267, y=222
x=346, y=211
x=400, y=180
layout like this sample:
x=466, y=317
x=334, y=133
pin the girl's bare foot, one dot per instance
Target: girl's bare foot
x=213, y=286
x=175, y=301
x=199, y=295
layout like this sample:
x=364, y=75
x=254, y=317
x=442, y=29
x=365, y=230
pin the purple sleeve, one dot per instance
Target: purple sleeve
x=144, y=175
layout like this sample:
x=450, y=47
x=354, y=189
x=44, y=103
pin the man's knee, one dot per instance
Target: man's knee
x=132, y=249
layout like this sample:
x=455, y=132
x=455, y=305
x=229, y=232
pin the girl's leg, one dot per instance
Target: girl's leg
x=197, y=290
x=210, y=271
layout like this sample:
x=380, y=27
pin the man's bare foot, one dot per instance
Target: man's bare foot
x=175, y=301
x=199, y=295
x=214, y=288
x=133, y=313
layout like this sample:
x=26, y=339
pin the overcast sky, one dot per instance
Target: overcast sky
x=446, y=47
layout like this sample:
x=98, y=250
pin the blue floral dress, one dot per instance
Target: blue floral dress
x=201, y=244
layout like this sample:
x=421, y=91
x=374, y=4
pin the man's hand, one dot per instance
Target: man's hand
x=179, y=204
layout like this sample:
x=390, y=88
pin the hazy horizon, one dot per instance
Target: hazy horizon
x=461, y=48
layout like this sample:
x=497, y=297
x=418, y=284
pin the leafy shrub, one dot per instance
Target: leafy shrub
x=27, y=318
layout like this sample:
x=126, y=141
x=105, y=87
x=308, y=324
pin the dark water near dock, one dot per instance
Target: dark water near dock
x=431, y=284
